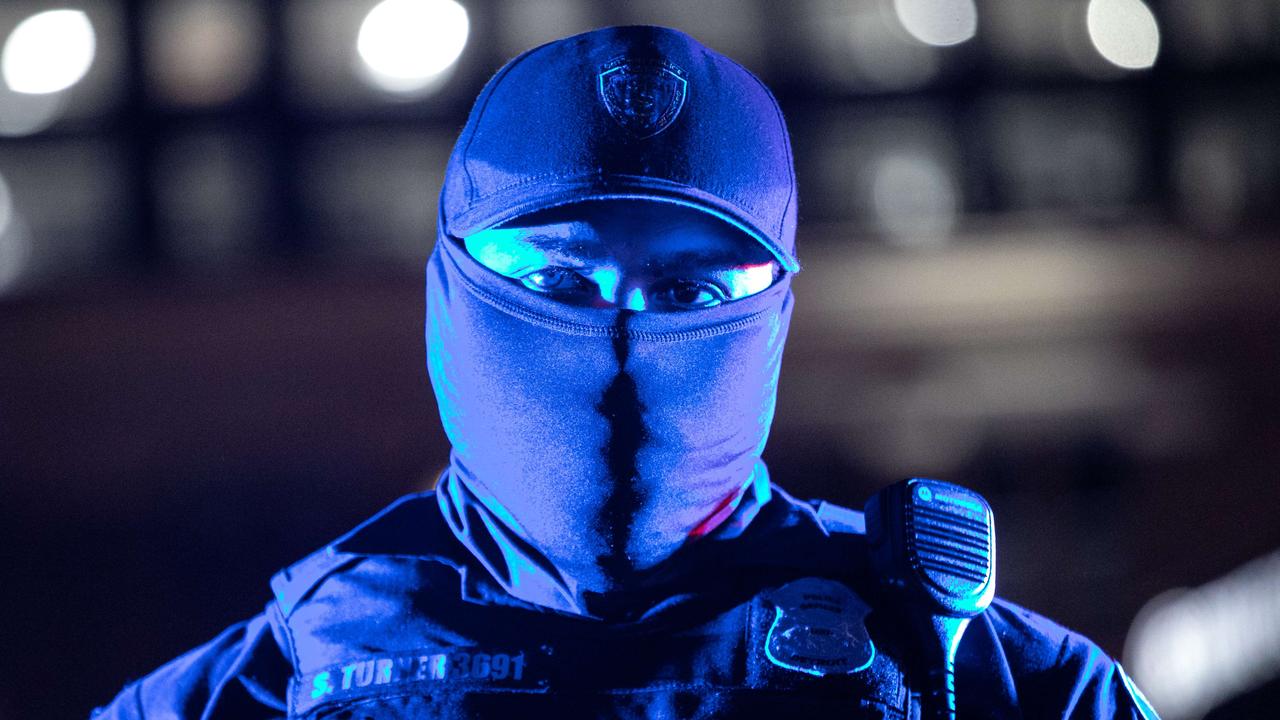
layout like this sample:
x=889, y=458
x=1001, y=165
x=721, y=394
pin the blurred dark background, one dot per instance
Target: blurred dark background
x=1042, y=259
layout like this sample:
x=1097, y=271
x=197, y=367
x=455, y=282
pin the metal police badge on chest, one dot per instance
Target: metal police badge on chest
x=643, y=97
x=819, y=628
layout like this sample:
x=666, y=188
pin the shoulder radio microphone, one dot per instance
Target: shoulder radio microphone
x=933, y=545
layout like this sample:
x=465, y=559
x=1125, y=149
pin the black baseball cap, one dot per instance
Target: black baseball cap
x=625, y=112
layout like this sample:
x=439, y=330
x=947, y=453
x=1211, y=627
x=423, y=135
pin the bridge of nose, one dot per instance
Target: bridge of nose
x=619, y=288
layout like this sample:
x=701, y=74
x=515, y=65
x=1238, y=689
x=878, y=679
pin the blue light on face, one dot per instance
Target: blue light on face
x=607, y=279
x=633, y=300
x=506, y=250
x=635, y=254
x=438, y=325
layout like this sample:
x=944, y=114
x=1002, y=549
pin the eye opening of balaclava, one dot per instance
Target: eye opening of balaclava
x=591, y=444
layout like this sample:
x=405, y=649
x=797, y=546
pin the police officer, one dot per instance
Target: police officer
x=608, y=300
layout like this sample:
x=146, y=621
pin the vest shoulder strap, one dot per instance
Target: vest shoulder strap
x=839, y=519
x=291, y=585
x=410, y=526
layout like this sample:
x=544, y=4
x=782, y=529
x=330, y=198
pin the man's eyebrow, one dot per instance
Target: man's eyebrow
x=574, y=250
x=723, y=257
x=562, y=247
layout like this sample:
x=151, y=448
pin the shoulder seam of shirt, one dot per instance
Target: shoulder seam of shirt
x=136, y=687
x=1061, y=658
x=288, y=636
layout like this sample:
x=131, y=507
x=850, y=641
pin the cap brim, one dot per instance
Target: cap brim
x=515, y=202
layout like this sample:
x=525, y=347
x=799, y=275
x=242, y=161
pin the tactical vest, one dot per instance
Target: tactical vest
x=392, y=621
x=398, y=620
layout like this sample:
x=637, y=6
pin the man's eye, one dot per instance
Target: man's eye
x=688, y=295
x=554, y=280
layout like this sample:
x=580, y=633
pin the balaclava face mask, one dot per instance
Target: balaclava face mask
x=590, y=444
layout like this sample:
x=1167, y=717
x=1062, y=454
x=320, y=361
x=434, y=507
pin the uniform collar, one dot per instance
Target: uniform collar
x=767, y=538
x=522, y=572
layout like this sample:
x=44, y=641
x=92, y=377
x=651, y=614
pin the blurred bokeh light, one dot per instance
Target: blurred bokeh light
x=14, y=247
x=938, y=22
x=407, y=45
x=204, y=52
x=915, y=198
x=1194, y=648
x=48, y=52
x=27, y=114
x=1124, y=32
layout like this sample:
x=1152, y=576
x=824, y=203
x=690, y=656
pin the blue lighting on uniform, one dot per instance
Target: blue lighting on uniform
x=809, y=671
x=769, y=654
x=320, y=685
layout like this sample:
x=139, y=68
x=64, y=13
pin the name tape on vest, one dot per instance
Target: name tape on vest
x=373, y=675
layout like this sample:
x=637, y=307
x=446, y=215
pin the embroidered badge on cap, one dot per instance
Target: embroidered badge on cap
x=819, y=629
x=643, y=97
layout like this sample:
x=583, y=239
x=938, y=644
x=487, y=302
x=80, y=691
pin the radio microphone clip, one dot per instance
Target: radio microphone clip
x=933, y=545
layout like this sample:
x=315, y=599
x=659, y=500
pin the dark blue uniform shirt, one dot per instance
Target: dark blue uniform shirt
x=397, y=619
